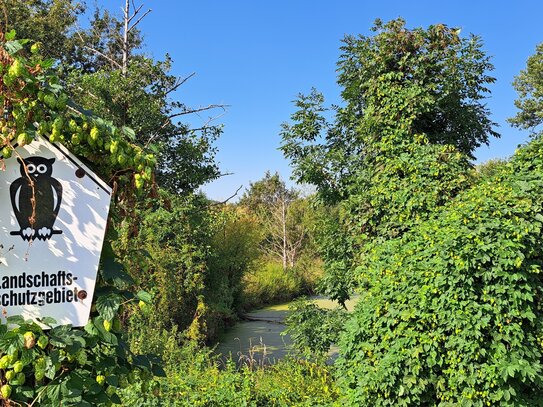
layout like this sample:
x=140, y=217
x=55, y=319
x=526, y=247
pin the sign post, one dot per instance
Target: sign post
x=53, y=216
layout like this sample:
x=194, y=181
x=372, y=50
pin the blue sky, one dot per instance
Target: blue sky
x=256, y=56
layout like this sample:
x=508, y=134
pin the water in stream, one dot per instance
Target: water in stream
x=262, y=340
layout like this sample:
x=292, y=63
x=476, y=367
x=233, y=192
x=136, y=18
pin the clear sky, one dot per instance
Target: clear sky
x=256, y=56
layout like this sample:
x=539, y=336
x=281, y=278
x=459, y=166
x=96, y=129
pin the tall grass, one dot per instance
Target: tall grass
x=268, y=283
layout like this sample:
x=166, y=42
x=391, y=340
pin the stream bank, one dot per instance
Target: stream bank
x=259, y=339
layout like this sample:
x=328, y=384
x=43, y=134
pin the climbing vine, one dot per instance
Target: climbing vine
x=35, y=104
x=42, y=363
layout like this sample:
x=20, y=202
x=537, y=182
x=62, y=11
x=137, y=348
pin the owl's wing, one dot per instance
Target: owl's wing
x=14, y=190
x=57, y=190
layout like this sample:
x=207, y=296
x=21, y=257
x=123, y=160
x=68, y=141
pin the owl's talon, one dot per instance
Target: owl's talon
x=44, y=233
x=27, y=233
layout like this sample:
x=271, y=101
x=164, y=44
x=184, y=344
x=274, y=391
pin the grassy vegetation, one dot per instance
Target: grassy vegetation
x=268, y=283
x=197, y=377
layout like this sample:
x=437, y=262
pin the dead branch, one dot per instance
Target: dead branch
x=178, y=83
x=227, y=199
x=139, y=19
x=111, y=60
x=197, y=110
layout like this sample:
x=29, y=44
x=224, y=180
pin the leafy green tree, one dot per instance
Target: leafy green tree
x=451, y=311
x=446, y=259
x=399, y=86
x=134, y=90
x=48, y=22
x=529, y=85
x=105, y=72
x=399, y=148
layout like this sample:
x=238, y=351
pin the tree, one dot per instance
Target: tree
x=134, y=90
x=49, y=22
x=529, y=85
x=400, y=147
x=451, y=313
x=399, y=86
x=104, y=72
x=280, y=213
x=446, y=258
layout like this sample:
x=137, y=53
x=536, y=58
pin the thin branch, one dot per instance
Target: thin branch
x=178, y=83
x=98, y=52
x=205, y=126
x=200, y=109
x=139, y=19
x=135, y=12
x=227, y=199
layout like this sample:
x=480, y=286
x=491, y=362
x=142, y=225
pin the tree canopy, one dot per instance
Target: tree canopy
x=529, y=85
x=400, y=87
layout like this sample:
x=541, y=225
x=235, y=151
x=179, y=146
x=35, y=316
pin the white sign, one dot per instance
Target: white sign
x=51, y=234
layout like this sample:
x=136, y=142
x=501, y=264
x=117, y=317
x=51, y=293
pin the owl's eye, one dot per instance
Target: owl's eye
x=31, y=168
x=42, y=168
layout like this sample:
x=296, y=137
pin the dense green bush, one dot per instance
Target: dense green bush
x=312, y=329
x=233, y=252
x=164, y=246
x=452, y=312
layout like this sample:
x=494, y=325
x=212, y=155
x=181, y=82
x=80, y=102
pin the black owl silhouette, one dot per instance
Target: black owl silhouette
x=48, y=196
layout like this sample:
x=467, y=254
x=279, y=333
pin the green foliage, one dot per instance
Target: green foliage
x=199, y=379
x=234, y=249
x=48, y=22
x=66, y=365
x=36, y=104
x=529, y=85
x=140, y=98
x=400, y=86
x=192, y=255
x=134, y=92
x=269, y=283
x=312, y=329
x=163, y=248
x=451, y=312
x=399, y=149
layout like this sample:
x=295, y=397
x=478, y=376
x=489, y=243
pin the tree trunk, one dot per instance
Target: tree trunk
x=284, y=220
x=126, y=49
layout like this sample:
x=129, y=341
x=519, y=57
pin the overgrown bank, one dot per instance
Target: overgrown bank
x=445, y=256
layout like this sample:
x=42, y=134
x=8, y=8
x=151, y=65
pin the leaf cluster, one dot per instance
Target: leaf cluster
x=35, y=104
x=451, y=311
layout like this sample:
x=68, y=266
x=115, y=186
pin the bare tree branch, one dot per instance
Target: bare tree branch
x=179, y=82
x=139, y=19
x=227, y=199
x=200, y=109
x=137, y=10
x=98, y=52
x=205, y=126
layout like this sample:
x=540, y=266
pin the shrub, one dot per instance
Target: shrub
x=452, y=310
x=312, y=329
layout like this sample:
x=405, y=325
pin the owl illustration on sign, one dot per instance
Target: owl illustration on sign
x=35, y=198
